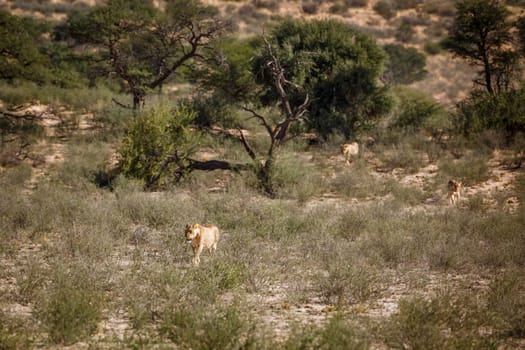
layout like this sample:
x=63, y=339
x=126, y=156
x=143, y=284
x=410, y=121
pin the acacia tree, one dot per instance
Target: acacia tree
x=159, y=142
x=338, y=66
x=20, y=57
x=405, y=65
x=278, y=133
x=481, y=34
x=143, y=47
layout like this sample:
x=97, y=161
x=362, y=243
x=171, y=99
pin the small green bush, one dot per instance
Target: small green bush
x=503, y=112
x=385, y=8
x=407, y=4
x=70, y=308
x=405, y=31
x=14, y=333
x=195, y=327
x=405, y=65
x=414, y=110
x=437, y=323
x=402, y=156
x=507, y=301
x=472, y=169
x=432, y=48
x=337, y=332
x=155, y=137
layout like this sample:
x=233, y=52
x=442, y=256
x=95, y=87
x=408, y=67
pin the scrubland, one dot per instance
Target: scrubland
x=366, y=255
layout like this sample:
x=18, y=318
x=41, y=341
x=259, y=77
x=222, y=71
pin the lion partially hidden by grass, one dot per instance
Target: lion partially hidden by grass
x=454, y=191
x=201, y=237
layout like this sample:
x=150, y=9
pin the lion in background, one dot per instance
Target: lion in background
x=349, y=150
x=454, y=191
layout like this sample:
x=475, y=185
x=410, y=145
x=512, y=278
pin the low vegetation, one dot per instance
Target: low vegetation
x=315, y=252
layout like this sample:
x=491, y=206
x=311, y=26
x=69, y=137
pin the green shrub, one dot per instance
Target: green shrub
x=432, y=48
x=503, y=112
x=407, y=4
x=337, y=332
x=507, y=302
x=14, y=333
x=356, y=3
x=405, y=65
x=294, y=177
x=472, y=169
x=70, y=308
x=442, y=322
x=405, y=31
x=415, y=110
x=198, y=327
x=309, y=7
x=402, y=156
x=156, y=142
x=385, y=8
x=345, y=284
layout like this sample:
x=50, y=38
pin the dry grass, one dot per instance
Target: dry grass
x=289, y=272
x=367, y=255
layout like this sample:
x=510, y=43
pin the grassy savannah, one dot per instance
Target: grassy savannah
x=104, y=161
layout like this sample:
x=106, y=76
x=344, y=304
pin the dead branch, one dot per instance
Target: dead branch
x=262, y=119
x=247, y=147
x=120, y=104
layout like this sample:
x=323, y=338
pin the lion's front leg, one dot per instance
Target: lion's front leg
x=196, y=255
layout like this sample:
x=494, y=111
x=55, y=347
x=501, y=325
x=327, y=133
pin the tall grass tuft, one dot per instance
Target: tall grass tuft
x=70, y=307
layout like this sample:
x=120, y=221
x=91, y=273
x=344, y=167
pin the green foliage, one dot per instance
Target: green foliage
x=337, y=332
x=507, y=302
x=504, y=112
x=19, y=45
x=407, y=4
x=405, y=31
x=432, y=48
x=481, y=34
x=70, y=307
x=233, y=80
x=156, y=141
x=414, y=110
x=471, y=169
x=385, y=8
x=140, y=45
x=438, y=323
x=338, y=66
x=405, y=65
x=194, y=327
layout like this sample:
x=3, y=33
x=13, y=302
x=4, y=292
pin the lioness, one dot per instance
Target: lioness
x=454, y=191
x=201, y=237
x=348, y=150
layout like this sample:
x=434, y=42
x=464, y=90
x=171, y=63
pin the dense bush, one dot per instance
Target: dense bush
x=337, y=65
x=414, y=110
x=405, y=31
x=155, y=137
x=385, y=9
x=405, y=65
x=504, y=112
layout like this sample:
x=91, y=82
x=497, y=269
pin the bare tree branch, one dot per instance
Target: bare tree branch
x=120, y=104
x=262, y=119
x=247, y=147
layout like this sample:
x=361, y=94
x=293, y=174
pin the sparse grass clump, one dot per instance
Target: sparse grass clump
x=337, y=332
x=70, y=307
x=401, y=156
x=385, y=8
x=442, y=321
x=471, y=169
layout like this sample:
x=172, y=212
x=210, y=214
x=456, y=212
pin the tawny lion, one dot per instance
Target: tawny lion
x=349, y=150
x=201, y=237
x=454, y=191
